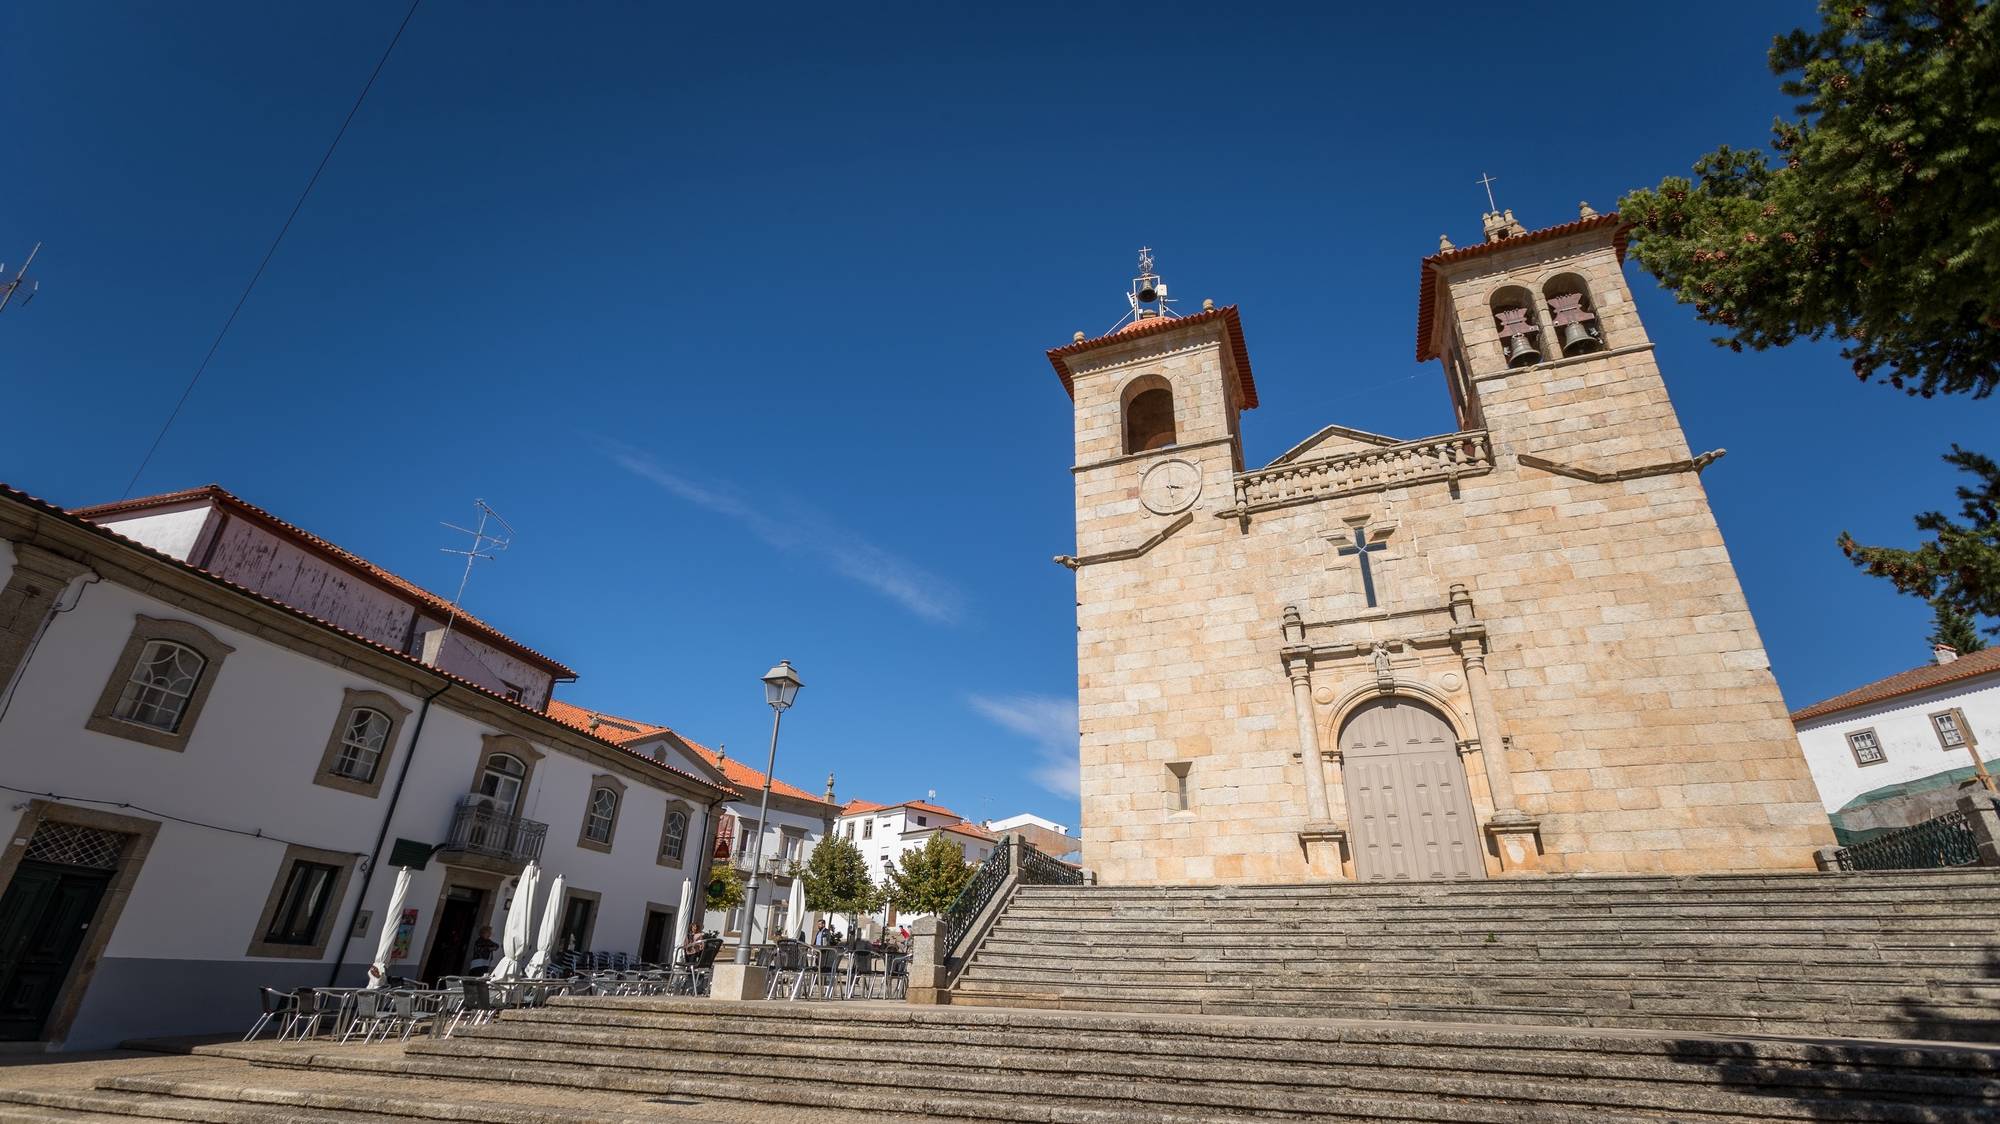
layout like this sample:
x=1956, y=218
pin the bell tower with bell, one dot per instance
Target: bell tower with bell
x=1156, y=402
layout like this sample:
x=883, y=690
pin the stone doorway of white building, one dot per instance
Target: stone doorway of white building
x=1406, y=792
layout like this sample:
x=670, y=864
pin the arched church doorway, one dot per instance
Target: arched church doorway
x=1406, y=794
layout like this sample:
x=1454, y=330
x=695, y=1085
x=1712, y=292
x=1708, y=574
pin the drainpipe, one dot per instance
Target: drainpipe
x=375, y=856
x=705, y=871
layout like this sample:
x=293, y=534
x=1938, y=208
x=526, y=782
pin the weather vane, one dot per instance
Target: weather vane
x=1145, y=261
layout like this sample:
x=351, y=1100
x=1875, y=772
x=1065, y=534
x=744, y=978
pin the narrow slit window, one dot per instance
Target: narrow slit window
x=1179, y=794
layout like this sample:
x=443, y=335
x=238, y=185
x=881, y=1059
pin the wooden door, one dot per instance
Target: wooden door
x=1412, y=820
x=653, y=945
x=44, y=918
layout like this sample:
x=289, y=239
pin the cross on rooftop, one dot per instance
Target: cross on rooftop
x=1487, y=182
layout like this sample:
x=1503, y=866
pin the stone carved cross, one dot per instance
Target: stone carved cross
x=1361, y=548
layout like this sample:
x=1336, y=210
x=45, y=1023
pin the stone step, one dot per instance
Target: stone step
x=817, y=1094
x=1714, y=883
x=1047, y=1066
x=1494, y=958
x=1459, y=921
x=1951, y=1026
x=1552, y=978
x=1094, y=1049
x=1256, y=1092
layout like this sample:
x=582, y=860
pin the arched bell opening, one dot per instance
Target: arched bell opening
x=1514, y=317
x=1148, y=409
x=1573, y=314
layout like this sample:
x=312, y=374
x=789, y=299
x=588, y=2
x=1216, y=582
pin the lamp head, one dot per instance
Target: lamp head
x=781, y=685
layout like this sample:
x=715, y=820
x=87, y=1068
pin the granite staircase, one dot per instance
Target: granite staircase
x=1554, y=1001
x=611, y=1060
x=1913, y=954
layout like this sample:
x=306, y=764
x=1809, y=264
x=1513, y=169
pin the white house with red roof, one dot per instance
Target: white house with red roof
x=797, y=820
x=220, y=735
x=1900, y=750
x=884, y=831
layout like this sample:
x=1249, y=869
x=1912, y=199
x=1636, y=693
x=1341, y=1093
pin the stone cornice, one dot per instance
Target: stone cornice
x=1170, y=450
x=1565, y=361
x=1593, y=476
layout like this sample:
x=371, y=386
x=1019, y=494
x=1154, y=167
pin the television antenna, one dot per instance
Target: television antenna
x=484, y=545
x=9, y=287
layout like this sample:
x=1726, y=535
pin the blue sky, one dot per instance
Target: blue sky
x=739, y=316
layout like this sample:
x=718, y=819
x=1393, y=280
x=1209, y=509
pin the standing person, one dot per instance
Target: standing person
x=819, y=933
x=483, y=951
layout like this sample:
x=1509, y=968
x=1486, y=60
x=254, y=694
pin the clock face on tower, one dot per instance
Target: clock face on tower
x=1170, y=486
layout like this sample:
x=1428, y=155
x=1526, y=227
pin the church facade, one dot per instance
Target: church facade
x=1516, y=647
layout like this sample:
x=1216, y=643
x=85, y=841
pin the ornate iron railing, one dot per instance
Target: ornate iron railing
x=1943, y=841
x=480, y=830
x=955, y=922
x=1413, y=462
x=1038, y=869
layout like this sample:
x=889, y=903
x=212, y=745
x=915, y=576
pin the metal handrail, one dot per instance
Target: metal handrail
x=1943, y=841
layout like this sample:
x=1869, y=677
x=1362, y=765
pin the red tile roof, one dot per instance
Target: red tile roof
x=745, y=778
x=220, y=496
x=856, y=807
x=51, y=510
x=1232, y=330
x=610, y=727
x=1909, y=682
x=1428, y=272
x=965, y=829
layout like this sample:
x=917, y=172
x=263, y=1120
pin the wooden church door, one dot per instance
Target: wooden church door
x=1406, y=794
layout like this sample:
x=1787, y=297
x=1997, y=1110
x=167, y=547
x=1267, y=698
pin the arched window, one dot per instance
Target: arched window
x=502, y=781
x=1149, y=414
x=160, y=686
x=1514, y=317
x=1572, y=314
x=673, y=841
x=361, y=746
x=602, y=814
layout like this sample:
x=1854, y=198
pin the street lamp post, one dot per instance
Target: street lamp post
x=781, y=686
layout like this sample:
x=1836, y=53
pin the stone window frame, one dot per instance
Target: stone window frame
x=1881, y=755
x=140, y=834
x=602, y=782
x=686, y=812
x=352, y=699
x=1957, y=718
x=515, y=746
x=296, y=853
x=103, y=718
x=786, y=834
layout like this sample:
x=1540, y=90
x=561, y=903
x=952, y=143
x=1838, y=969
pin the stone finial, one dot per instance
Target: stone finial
x=1444, y=243
x=829, y=787
x=1078, y=338
x=721, y=754
x=1461, y=604
x=1584, y=211
x=1500, y=224
x=1295, y=626
x=1207, y=304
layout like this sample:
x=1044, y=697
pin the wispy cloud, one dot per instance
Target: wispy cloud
x=845, y=552
x=1048, y=721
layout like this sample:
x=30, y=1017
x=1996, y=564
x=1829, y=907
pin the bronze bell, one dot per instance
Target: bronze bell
x=1578, y=338
x=1521, y=350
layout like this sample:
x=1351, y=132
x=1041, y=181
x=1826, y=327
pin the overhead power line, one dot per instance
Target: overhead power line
x=272, y=252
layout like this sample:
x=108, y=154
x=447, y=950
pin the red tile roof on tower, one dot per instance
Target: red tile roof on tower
x=1232, y=331
x=1909, y=682
x=1427, y=277
x=221, y=497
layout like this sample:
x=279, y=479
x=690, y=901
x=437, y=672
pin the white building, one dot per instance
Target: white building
x=1897, y=751
x=1045, y=835
x=798, y=820
x=884, y=831
x=216, y=730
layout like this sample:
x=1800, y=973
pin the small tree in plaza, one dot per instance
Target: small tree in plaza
x=836, y=877
x=725, y=888
x=928, y=878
